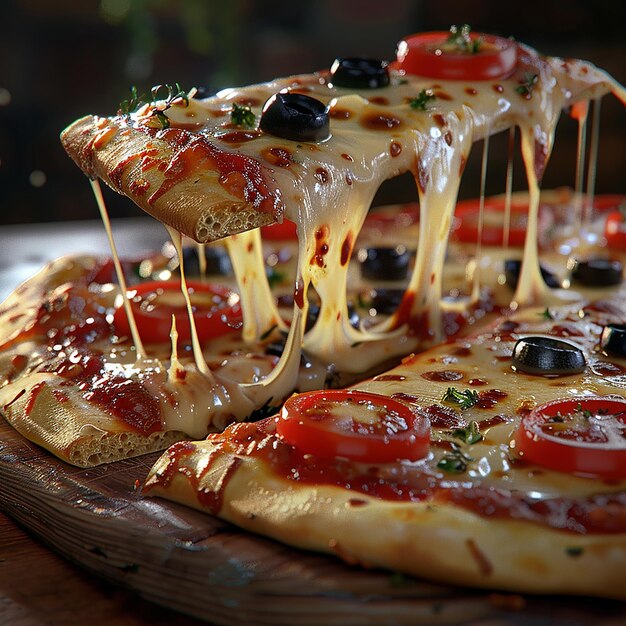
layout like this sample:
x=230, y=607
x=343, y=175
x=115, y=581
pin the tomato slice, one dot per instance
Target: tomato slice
x=284, y=231
x=585, y=435
x=358, y=425
x=615, y=230
x=432, y=56
x=465, y=224
x=216, y=310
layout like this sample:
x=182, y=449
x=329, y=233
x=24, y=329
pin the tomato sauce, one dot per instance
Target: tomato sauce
x=398, y=482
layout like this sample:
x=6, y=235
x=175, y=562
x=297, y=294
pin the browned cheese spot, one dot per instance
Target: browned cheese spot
x=346, y=248
x=340, y=114
x=379, y=100
x=377, y=120
x=280, y=157
x=321, y=175
x=395, y=149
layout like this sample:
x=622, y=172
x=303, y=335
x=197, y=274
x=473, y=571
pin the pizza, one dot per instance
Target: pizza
x=458, y=367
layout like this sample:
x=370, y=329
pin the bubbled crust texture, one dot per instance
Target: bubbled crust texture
x=197, y=206
x=435, y=540
x=81, y=437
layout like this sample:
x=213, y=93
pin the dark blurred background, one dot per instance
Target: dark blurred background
x=60, y=60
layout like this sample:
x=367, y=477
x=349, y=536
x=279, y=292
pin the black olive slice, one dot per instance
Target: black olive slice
x=513, y=267
x=545, y=355
x=359, y=73
x=384, y=263
x=386, y=301
x=613, y=339
x=217, y=261
x=598, y=272
x=295, y=116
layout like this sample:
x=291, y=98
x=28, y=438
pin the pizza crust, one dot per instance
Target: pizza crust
x=75, y=432
x=437, y=541
x=135, y=163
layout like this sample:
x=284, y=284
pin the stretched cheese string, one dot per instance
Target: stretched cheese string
x=201, y=363
x=475, y=296
x=582, y=112
x=593, y=162
x=258, y=306
x=508, y=193
x=175, y=366
x=200, y=247
x=104, y=214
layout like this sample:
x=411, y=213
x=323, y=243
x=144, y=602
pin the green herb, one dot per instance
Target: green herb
x=362, y=302
x=465, y=399
x=546, y=315
x=398, y=579
x=574, y=551
x=132, y=104
x=455, y=461
x=268, y=332
x=242, y=115
x=470, y=434
x=262, y=412
x=422, y=99
x=526, y=88
x=586, y=413
x=460, y=39
x=159, y=104
x=274, y=277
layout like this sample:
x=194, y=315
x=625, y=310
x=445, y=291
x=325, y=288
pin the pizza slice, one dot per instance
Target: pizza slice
x=315, y=154
x=497, y=460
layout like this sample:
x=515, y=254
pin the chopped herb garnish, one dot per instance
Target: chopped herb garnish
x=242, y=115
x=460, y=39
x=268, y=332
x=174, y=93
x=130, y=105
x=470, y=434
x=546, y=314
x=526, y=87
x=574, y=551
x=274, y=277
x=262, y=412
x=455, y=461
x=422, y=99
x=465, y=399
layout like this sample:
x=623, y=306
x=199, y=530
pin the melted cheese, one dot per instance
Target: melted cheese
x=327, y=190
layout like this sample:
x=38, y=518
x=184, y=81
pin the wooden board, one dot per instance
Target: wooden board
x=201, y=566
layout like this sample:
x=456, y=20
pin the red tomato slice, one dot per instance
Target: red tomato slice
x=585, y=435
x=358, y=425
x=465, y=224
x=615, y=230
x=284, y=231
x=427, y=54
x=216, y=310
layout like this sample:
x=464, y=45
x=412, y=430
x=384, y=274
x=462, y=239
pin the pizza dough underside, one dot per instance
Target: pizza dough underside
x=197, y=205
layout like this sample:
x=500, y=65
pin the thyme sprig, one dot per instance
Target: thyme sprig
x=242, y=115
x=470, y=434
x=526, y=87
x=422, y=99
x=173, y=95
x=465, y=399
x=455, y=461
x=460, y=39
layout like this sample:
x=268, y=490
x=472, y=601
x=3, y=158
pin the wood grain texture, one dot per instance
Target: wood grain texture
x=200, y=566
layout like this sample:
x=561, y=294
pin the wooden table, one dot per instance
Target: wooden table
x=39, y=588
